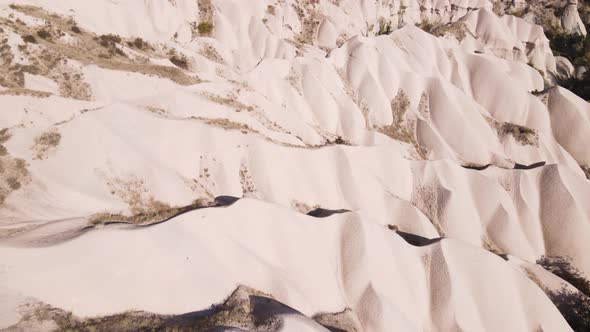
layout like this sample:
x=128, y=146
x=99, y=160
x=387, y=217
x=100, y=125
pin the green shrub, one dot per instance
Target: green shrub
x=179, y=62
x=30, y=39
x=574, y=306
x=44, y=34
x=577, y=50
x=139, y=43
x=563, y=268
x=205, y=28
x=109, y=40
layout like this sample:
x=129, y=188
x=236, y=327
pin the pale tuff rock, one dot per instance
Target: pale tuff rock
x=564, y=68
x=296, y=165
x=571, y=21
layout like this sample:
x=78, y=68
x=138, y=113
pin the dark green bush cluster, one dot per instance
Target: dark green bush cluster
x=44, y=34
x=110, y=42
x=577, y=50
x=574, y=306
x=205, y=28
x=30, y=39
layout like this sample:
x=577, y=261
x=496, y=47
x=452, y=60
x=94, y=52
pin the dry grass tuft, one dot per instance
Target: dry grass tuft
x=428, y=200
x=44, y=143
x=105, y=51
x=402, y=128
x=521, y=134
x=179, y=61
x=13, y=171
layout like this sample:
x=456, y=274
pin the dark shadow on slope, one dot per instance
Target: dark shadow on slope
x=265, y=309
x=531, y=166
x=224, y=200
x=323, y=213
x=417, y=240
x=476, y=167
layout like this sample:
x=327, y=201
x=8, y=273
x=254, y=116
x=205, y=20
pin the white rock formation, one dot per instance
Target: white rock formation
x=564, y=68
x=388, y=178
x=571, y=21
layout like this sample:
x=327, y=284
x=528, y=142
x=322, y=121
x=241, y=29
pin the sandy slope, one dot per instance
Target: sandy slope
x=295, y=106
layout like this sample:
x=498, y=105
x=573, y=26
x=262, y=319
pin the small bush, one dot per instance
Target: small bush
x=205, y=28
x=563, y=268
x=30, y=39
x=139, y=43
x=179, y=62
x=522, y=134
x=425, y=25
x=574, y=306
x=384, y=28
x=109, y=40
x=75, y=29
x=44, y=34
x=270, y=9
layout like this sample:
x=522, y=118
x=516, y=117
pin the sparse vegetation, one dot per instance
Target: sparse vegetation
x=402, y=128
x=577, y=50
x=45, y=142
x=574, y=306
x=179, y=61
x=139, y=43
x=205, y=28
x=30, y=39
x=563, y=267
x=519, y=12
x=385, y=28
x=241, y=311
x=522, y=134
x=110, y=42
x=270, y=9
x=158, y=212
x=44, y=34
x=336, y=141
x=426, y=26
x=13, y=172
x=427, y=199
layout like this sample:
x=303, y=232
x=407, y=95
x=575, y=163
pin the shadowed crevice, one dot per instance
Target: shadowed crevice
x=531, y=166
x=323, y=213
x=417, y=240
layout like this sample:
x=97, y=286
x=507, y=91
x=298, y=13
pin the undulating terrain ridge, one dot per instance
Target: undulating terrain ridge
x=294, y=165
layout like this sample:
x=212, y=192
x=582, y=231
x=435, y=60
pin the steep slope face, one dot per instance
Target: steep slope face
x=435, y=168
